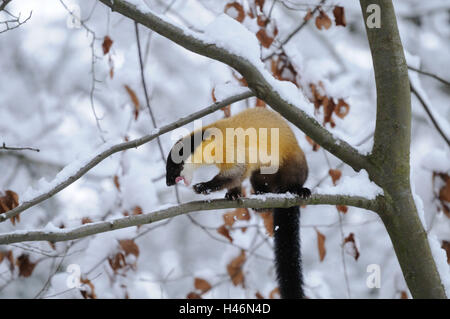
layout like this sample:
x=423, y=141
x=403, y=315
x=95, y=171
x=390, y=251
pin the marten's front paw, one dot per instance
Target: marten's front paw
x=201, y=188
x=304, y=192
x=233, y=194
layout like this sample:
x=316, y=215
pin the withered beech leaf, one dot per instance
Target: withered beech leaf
x=342, y=208
x=26, y=267
x=223, y=230
x=268, y=222
x=342, y=108
x=260, y=103
x=235, y=6
x=106, y=45
x=86, y=220
x=321, y=245
x=193, y=295
x=275, y=293
x=129, y=247
x=308, y=15
x=323, y=21
x=242, y=213
x=335, y=175
x=134, y=99
x=8, y=201
x=350, y=246
x=234, y=269
x=116, y=182
x=444, y=192
x=315, y=146
x=264, y=38
x=446, y=247
x=87, y=291
x=258, y=295
x=260, y=3
x=137, y=210
x=339, y=16
x=229, y=218
x=202, y=285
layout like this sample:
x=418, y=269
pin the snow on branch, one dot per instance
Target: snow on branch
x=74, y=171
x=54, y=234
x=227, y=41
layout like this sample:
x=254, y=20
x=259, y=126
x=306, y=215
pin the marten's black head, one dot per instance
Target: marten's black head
x=176, y=168
x=175, y=164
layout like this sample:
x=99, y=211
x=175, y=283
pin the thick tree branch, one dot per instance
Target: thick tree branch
x=255, y=79
x=121, y=147
x=215, y=204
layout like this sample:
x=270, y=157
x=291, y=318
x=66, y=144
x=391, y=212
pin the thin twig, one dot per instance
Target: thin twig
x=9, y=148
x=429, y=74
x=295, y=31
x=427, y=109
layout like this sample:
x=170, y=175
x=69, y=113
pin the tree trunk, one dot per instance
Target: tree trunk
x=390, y=154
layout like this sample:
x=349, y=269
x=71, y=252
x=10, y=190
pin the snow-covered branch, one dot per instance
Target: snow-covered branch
x=257, y=201
x=242, y=54
x=59, y=185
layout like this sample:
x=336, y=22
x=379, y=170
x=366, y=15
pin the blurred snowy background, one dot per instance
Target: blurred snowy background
x=61, y=93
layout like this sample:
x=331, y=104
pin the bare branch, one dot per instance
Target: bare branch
x=427, y=109
x=16, y=21
x=295, y=31
x=255, y=78
x=215, y=204
x=9, y=148
x=430, y=74
x=121, y=147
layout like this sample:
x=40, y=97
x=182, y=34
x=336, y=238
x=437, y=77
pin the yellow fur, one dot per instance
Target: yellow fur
x=255, y=118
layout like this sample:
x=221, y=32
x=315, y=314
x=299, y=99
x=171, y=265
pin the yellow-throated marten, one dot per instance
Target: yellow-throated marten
x=234, y=144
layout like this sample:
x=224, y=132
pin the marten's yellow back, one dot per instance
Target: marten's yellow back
x=255, y=127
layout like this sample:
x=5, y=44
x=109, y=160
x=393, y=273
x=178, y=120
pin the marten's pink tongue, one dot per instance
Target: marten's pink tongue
x=181, y=178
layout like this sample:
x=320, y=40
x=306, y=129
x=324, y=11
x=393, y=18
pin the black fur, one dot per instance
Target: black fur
x=286, y=223
x=217, y=183
x=173, y=169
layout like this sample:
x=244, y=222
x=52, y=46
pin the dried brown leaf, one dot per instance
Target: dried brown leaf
x=351, y=248
x=323, y=21
x=134, y=99
x=335, y=175
x=26, y=267
x=202, y=285
x=106, y=45
x=339, y=16
x=129, y=247
x=193, y=295
x=223, y=230
x=321, y=245
x=238, y=7
x=234, y=269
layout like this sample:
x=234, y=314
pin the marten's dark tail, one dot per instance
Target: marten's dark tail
x=286, y=223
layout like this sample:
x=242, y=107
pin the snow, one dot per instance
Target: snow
x=70, y=170
x=357, y=185
x=437, y=160
x=226, y=90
